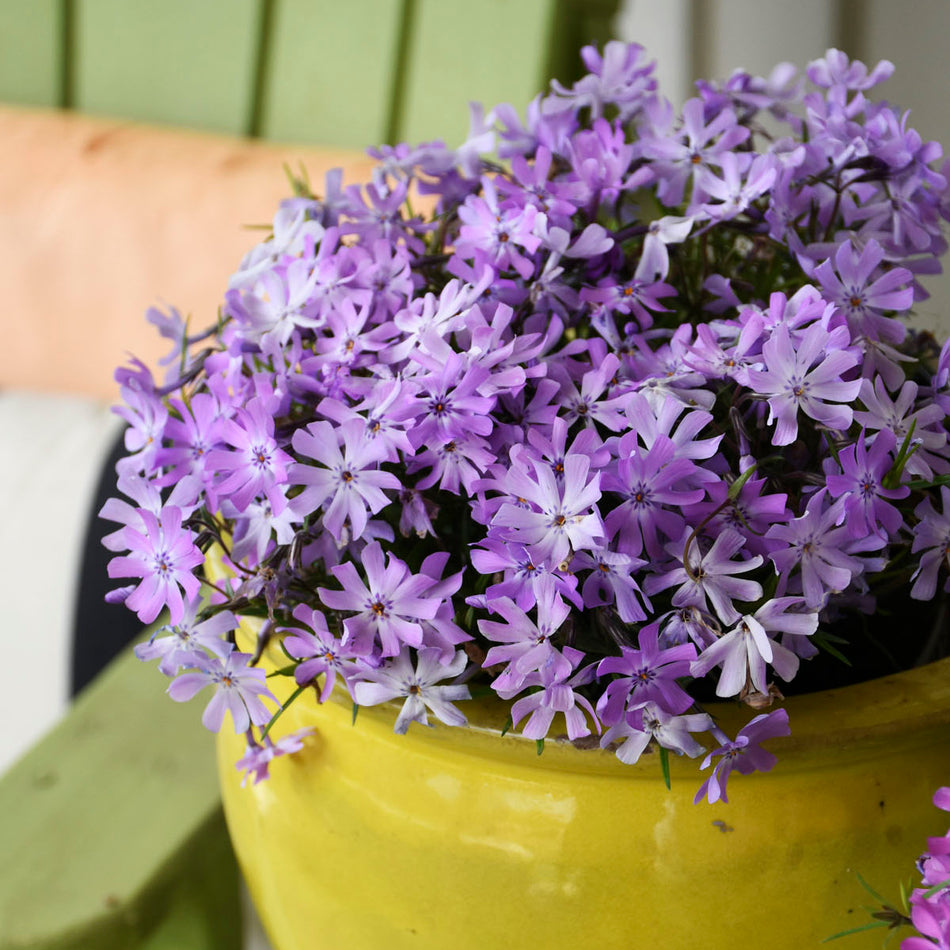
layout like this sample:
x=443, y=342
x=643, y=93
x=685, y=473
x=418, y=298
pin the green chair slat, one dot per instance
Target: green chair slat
x=111, y=829
x=176, y=61
x=330, y=71
x=31, y=66
x=495, y=52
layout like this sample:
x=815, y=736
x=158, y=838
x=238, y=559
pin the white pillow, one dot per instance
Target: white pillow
x=53, y=450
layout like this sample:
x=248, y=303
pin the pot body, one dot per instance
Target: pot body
x=462, y=838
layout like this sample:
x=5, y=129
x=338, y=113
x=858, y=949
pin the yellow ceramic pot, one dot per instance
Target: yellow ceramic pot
x=460, y=838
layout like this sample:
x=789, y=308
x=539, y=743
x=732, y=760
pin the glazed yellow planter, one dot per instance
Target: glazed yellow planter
x=460, y=838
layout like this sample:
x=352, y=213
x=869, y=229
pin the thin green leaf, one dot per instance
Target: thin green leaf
x=665, y=766
x=280, y=711
x=508, y=724
x=356, y=710
x=539, y=744
x=873, y=925
x=937, y=887
x=871, y=890
x=283, y=671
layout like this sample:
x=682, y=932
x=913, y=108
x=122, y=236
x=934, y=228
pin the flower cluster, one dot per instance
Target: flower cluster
x=930, y=903
x=628, y=419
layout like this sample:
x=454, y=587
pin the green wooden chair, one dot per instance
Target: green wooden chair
x=111, y=832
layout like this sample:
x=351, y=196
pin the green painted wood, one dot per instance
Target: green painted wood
x=111, y=832
x=330, y=72
x=179, y=62
x=30, y=45
x=579, y=23
x=497, y=51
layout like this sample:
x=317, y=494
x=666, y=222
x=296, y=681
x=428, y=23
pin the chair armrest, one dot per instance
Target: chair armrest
x=111, y=828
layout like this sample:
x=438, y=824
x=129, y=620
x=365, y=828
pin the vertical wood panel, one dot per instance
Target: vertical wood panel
x=496, y=52
x=172, y=61
x=331, y=70
x=30, y=62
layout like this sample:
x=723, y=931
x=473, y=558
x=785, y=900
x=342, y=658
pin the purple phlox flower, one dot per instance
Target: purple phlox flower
x=609, y=582
x=724, y=297
x=348, y=485
x=647, y=674
x=526, y=645
x=278, y=303
x=255, y=530
x=932, y=536
x=147, y=497
x=861, y=483
x=740, y=185
x=651, y=722
x=346, y=339
x=837, y=71
x=709, y=579
x=744, y=755
x=674, y=420
x=750, y=513
x=390, y=278
x=620, y=76
x=664, y=374
x=654, y=263
x=146, y=416
x=555, y=449
x=654, y=485
x=897, y=415
x=555, y=694
x=521, y=573
x=164, y=555
x=297, y=229
x=188, y=638
x=715, y=357
x=340, y=272
x=591, y=402
x=930, y=903
x=905, y=223
x=745, y=650
x=688, y=624
x=174, y=328
x=562, y=516
x=600, y=158
x=320, y=652
x=479, y=141
x=380, y=217
x=635, y=296
x=419, y=685
x=194, y=430
x=416, y=513
x=442, y=632
x=806, y=375
x=557, y=199
x=440, y=315
x=455, y=464
x=388, y=609
x=255, y=465
x=862, y=300
x=816, y=544
x=699, y=145
x=258, y=756
x=385, y=412
x=498, y=229
x=239, y=689
x=449, y=403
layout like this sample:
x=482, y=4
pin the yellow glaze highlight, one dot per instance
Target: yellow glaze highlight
x=458, y=838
